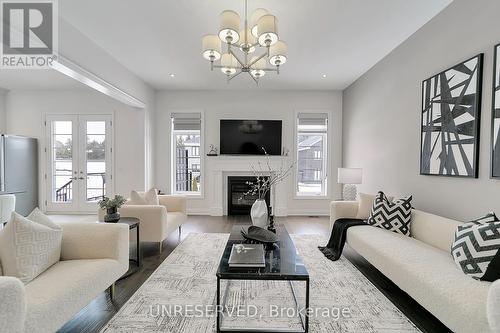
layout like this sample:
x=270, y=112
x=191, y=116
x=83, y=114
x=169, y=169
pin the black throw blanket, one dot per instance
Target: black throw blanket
x=333, y=250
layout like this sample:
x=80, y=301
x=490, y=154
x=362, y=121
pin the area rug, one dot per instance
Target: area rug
x=180, y=295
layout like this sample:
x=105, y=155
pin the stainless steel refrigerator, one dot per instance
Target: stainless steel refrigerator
x=19, y=171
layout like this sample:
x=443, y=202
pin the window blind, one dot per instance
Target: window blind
x=186, y=121
x=318, y=120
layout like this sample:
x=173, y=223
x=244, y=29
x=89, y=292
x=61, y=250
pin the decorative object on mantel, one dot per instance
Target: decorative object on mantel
x=451, y=105
x=495, y=117
x=263, y=184
x=213, y=151
x=111, y=206
x=349, y=177
x=260, y=33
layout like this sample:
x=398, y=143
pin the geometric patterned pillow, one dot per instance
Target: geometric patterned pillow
x=475, y=246
x=393, y=216
x=28, y=248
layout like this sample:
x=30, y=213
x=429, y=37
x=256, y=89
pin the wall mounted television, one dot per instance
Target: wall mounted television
x=247, y=137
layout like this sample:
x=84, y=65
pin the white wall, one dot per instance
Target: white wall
x=382, y=113
x=248, y=105
x=3, y=112
x=26, y=111
x=81, y=50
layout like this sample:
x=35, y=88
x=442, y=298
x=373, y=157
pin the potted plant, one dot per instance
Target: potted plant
x=111, y=206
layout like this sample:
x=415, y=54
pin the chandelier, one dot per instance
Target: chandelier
x=258, y=34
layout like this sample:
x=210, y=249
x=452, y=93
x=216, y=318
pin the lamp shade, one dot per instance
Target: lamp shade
x=267, y=28
x=228, y=63
x=277, y=53
x=254, y=18
x=257, y=69
x=229, y=27
x=211, y=47
x=350, y=175
x=247, y=40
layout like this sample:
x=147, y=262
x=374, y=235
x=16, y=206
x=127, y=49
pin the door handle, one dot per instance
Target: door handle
x=81, y=178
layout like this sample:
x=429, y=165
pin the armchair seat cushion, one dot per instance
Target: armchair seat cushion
x=64, y=289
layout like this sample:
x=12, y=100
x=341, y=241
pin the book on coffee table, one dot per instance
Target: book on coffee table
x=247, y=255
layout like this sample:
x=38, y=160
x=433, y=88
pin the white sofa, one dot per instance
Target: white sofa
x=93, y=257
x=157, y=221
x=422, y=266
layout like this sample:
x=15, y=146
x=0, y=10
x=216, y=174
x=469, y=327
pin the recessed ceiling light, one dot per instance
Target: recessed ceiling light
x=172, y=75
x=324, y=76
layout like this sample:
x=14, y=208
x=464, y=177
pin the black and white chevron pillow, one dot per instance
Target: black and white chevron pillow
x=393, y=216
x=476, y=246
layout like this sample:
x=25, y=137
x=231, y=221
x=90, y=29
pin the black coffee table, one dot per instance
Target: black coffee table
x=282, y=263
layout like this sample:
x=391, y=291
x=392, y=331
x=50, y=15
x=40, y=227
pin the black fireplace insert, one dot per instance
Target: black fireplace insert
x=237, y=202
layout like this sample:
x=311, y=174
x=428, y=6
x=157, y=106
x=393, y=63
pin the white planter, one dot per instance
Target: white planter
x=259, y=213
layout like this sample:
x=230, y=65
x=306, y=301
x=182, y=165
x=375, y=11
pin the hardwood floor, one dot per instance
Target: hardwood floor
x=94, y=316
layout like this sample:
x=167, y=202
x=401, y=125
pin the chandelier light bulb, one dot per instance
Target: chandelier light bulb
x=267, y=28
x=229, y=27
x=228, y=64
x=246, y=45
x=254, y=18
x=277, y=53
x=211, y=47
x=257, y=69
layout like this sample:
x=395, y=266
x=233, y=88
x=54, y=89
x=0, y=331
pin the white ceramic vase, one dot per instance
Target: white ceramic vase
x=259, y=213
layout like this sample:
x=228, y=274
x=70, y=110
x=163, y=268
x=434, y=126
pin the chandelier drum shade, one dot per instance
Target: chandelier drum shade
x=257, y=35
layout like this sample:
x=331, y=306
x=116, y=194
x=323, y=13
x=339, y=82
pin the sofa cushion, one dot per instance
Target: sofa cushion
x=433, y=230
x=392, y=216
x=60, y=292
x=475, y=246
x=365, y=206
x=427, y=274
x=144, y=198
x=27, y=248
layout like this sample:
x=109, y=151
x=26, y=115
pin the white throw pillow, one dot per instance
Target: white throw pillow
x=144, y=198
x=28, y=248
x=365, y=204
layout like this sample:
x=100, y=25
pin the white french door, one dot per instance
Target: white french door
x=79, y=162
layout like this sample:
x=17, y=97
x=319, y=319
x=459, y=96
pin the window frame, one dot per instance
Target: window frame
x=201, y=193
x=326, y=161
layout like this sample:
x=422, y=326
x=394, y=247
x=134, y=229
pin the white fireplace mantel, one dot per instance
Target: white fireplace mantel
x=219, y=168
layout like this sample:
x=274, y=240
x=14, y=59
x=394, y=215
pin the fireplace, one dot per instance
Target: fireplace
x=238, y=203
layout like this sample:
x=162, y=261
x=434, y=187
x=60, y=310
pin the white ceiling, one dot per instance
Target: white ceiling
x=339, y=38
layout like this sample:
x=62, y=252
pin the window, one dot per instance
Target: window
x=186, y=143
x=312, y=157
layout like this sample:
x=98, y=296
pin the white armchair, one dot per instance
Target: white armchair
x=157, y=221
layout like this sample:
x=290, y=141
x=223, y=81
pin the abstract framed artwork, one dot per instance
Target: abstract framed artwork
x=451, y=113
x=495, y=117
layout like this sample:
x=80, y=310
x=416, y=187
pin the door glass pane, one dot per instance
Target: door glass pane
x=62, y=161
x=96, y=160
